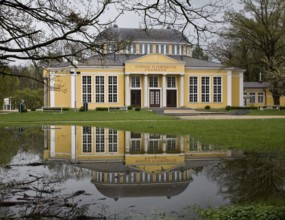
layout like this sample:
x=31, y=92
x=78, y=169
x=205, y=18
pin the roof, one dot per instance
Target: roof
x=167, y=189
x=140, y=34
x=256, y=85
x=120, y=59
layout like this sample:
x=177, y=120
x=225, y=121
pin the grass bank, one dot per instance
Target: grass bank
x=265, y=134
x=256, y=134
x=72, y=117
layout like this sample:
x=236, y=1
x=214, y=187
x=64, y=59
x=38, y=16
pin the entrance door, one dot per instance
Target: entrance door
x=135, y=97
x=171, y=98
x=154, y=98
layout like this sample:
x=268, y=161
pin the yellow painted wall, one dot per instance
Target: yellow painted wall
x=211, y=74
x=235, y=89
x=63, y=142
x=63, y=145
x=62, y=90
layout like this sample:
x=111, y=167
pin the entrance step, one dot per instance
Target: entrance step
x=183, y=112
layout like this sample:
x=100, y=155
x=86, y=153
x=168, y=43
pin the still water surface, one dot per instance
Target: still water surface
x=68, y=171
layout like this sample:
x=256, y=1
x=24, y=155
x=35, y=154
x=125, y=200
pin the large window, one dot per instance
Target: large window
x=100, y=139
x=99, y=89
x=153, y=146
x=86, y=88
x=87, y=140
x=260, y=97
x=205, y=89
x=180, y=49
x=174, y=49
x=113, y=140
x=252, y=97
x=171, y=82
x=133, y=48
x=142, y=49
x=146, y=48
x=193, y=89
x=171, y=145
x=167, y=49
x=150, y=48
x=113, y=89
x=158, y=48
x=153, y=81
x=135, y=146
x=188, y=51
x=135, y=142
x=217, y=89
x=136, y=82
x=193, y=144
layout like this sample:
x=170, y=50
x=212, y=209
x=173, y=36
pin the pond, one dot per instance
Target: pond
x=80, y=171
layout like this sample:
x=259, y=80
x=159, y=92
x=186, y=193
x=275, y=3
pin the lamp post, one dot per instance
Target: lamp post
x=73, y=71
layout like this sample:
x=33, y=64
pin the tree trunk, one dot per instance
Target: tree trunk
x=276, y=99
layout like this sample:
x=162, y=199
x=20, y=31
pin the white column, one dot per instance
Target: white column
x=73, y=92
x=164, y=144
x=127, y=90
x=163, y=90
x=127, y=141
x=241, y=102
x=52, y=141
x=73, y=142
x=181, y=90
x=51, y=89
x=181, y=144
x=229, y=92
x=145, y=143
x=145, y=91
x=45, y=92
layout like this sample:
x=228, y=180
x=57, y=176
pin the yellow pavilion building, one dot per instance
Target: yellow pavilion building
x=146, y=68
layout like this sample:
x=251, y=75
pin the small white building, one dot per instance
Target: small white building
x=7, y=104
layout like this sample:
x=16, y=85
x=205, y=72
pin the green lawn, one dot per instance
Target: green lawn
x=261, y=134
x=266, y=112
x=70, y=116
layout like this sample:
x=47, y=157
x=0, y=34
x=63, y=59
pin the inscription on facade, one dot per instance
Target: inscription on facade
x=156, y=68
x=155, y=160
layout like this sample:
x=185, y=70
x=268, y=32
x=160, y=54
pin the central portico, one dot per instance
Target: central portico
x=154, y=80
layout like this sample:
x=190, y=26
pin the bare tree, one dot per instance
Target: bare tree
x=39, y=30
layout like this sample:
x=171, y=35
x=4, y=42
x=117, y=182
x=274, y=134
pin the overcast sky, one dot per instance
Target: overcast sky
x=132, y=20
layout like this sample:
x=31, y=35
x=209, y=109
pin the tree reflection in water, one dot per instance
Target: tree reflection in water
x=43, y=196
x=255, y=177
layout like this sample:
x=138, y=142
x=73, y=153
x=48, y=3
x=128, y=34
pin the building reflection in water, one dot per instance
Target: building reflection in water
x=127, y=164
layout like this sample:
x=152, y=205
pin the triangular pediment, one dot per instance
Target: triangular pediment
x=155, y=59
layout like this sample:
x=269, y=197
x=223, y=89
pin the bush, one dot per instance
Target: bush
x=137, y=108
x=101, y=109
x=130, y=107
x=259, y=212
x=24, y=110
x=65, y=109
x=33, y=109
x=81, y=109
x=244, y=107
x=207, y=107
x=228, y=107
